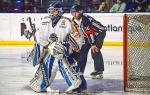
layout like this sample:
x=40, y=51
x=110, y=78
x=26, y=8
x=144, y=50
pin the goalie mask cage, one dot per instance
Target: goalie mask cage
x=137, y=52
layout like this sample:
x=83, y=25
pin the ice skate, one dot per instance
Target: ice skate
x=97, y=75
x=77, y=91
x=75, y=85
x=50, y=90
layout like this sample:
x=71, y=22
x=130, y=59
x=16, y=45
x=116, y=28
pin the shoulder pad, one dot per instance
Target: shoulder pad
x=89, y=17
x=66, y=18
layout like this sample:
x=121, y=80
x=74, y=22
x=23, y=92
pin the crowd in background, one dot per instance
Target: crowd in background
x=89, y=6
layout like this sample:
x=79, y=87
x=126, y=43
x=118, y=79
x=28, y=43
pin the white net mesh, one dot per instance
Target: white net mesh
x=138, y=52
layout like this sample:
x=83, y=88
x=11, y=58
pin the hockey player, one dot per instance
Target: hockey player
x=54, y=44
x=93, y=33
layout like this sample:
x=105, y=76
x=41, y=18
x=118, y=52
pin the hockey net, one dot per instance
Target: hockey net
x=137, y=52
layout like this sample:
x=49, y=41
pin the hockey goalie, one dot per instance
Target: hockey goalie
x=55, y=42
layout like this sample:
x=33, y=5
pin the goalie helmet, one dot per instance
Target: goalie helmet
x=56, y=7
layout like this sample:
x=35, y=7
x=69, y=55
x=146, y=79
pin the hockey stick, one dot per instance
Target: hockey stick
x=32, y=28
x=32, y=34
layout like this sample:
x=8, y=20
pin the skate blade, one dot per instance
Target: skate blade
x=52, y=93
x=84, y=92
x=72, y=87
x=97, y=77
x=71, y=93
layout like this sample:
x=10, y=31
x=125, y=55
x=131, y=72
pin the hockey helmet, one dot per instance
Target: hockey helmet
x=55, y=7
x=76, y=8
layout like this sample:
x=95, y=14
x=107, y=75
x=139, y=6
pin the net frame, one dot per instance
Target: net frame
x=144, y=19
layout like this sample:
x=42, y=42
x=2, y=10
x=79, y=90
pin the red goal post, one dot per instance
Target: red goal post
x=136, y=48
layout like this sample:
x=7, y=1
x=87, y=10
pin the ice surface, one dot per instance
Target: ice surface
x=15, y=73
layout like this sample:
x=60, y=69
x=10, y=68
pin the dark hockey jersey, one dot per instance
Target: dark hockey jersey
x=89, y=23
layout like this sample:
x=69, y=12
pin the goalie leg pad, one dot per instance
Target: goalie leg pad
x=53, y=69
x=73, y=65
x=34, y=55
x=38, y=83
x=71, y=75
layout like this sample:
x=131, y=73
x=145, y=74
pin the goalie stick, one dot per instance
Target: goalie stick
x=32, y=28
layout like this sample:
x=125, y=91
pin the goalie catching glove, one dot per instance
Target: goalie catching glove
x=56, y=49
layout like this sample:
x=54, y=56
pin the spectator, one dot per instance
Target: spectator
x=88, y=9
x=130, y=6
x=27, y=7
x=133, y=4
x=103, y=7
x=139, y=9
x=37, y=6
x=77, y=1
x=67, y=4
x=119, y=6
x=0, y=6
x=110, y=3
x=6, y=6
x=148, y=8
x=141, y=2
x=95, y=9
